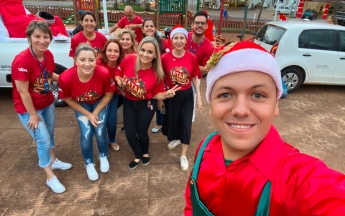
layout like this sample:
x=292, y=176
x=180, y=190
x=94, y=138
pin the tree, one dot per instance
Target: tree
x=115, y=5
x=257, y=21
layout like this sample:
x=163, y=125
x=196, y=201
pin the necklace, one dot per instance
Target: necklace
x=191, y=45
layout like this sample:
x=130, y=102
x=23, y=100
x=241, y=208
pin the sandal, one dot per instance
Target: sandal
x=116, y=147
x=156, y=128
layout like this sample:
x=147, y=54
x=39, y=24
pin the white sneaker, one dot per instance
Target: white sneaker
x=184, y=163
x=61, y=165
x=173, y=144
x=55, y=185
x=104, y=164
x=91, y=172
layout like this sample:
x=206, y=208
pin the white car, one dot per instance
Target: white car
x=307, y=52
x=285, y=10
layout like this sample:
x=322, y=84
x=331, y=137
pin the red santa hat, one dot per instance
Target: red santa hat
x=240, y=57
x=176, y=29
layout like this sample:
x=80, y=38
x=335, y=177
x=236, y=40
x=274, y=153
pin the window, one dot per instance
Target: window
x=270, y=34
x=317, y=39
x=342, y=41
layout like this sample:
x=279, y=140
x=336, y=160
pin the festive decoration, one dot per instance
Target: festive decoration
x=240, y=57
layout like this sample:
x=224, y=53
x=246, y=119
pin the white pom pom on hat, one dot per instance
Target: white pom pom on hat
x=245, y=56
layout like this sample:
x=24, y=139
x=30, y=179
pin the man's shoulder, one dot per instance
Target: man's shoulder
x=138, y=19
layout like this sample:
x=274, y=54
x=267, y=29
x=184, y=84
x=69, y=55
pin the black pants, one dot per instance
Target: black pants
x=137, y=117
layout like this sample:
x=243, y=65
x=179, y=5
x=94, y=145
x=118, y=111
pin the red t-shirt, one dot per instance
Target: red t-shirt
x=25, y=67
x=112, y=70
x=180, y=71
x=136, y=20
x=202, y=52
x=209, y=31
x=142, y=88
x=97, y=43
x=87, y=92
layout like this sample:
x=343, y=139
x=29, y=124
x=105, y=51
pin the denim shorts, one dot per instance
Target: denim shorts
x=43, y=134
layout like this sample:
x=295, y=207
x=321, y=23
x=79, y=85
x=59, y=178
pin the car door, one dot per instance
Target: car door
x=339, y=75
x=318, y=53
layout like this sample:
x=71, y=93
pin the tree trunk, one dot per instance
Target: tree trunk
x=257, y=21
x=115, y=5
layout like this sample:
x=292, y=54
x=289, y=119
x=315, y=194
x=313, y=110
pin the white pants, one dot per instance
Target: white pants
x=194, y=96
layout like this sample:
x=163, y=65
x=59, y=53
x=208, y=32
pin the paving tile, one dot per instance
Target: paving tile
x=9, y=157
x=65, y=209
x=166, y=181
x=16, y=138
x=7, y=119
x=173, y=206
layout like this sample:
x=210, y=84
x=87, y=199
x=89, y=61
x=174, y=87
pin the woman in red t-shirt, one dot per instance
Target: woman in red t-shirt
x=32, y=73
x=149, y=29
x=88, y=88
x=142, y=78
x=111, y=57
x=127, y=41
x=181, y=68
x=129, y=46
x=95, y=39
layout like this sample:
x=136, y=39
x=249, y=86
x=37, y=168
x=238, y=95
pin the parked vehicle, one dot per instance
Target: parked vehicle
x=10, y=47
x=310, y=14
x=307, y=52
x=285, y=10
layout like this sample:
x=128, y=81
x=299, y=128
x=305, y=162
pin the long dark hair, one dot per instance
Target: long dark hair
x=155, y=35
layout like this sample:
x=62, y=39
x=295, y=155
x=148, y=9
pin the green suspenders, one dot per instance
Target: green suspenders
x=199, y=209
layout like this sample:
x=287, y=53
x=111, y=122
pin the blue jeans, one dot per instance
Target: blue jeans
x=43, y=134
x=159, y=117
x=112, y=118
x=87, y=131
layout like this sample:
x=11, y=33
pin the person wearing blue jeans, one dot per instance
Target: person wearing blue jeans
x=87, y=131
x=32, y=73
x=159, y=119
x=88, y=88
x=111, y=56
x=112, y=120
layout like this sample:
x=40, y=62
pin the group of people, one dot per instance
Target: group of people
x=146, y=74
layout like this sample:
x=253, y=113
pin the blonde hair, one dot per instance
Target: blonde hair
x=156, y=62
x=131, y=34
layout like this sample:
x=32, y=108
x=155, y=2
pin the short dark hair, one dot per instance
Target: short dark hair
x=38, y=24
x=200, y=13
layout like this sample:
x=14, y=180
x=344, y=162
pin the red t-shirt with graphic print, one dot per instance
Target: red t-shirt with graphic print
x=142, y=88
x=136, y=20
x=87, y=92
x=112, y=70
x=202, y=51
x=97, y=43
x=180, y=71
x=25, y=67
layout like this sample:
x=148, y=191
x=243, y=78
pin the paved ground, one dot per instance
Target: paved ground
x=312, y=119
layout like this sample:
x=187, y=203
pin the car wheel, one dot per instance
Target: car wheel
x=293, y=78
x=55, y=87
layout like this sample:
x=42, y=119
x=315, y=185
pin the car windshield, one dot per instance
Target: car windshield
x=270, y=34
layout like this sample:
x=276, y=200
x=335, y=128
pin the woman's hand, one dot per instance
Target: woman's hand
x=199, y=103
x=33, y=121
x=93, y=118
x=119, y=81
x=171, y=92
x=160, y=105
